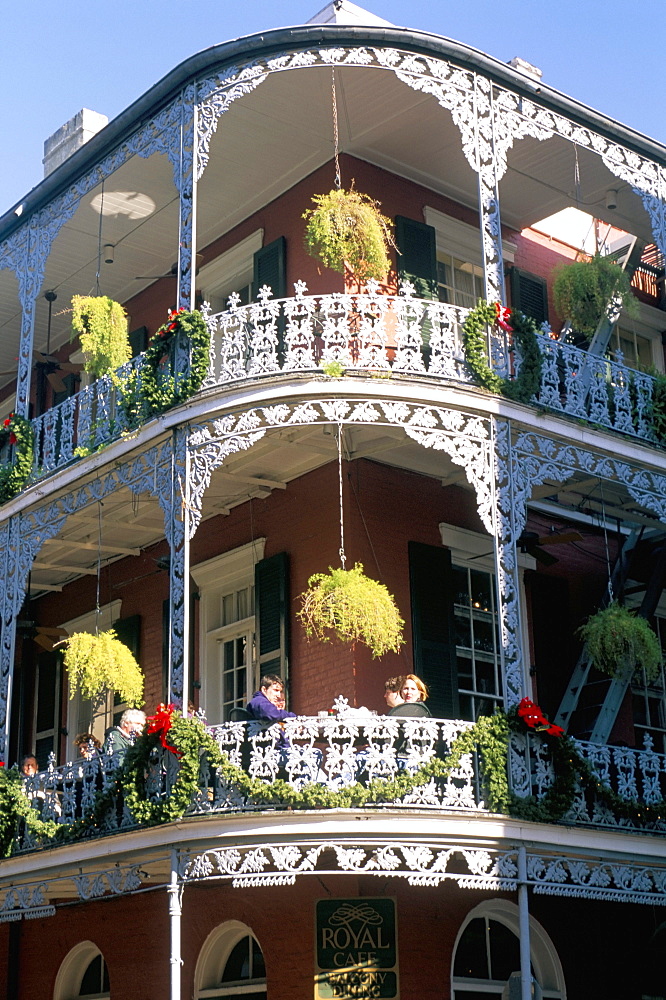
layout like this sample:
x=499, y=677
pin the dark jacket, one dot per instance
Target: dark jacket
x=412, y=709
x=117, y=742
x=264, y=710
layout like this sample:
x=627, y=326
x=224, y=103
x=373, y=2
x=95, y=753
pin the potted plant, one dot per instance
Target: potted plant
x=101, y=325
x=353, y=607
x=346, y=232
x=615, y=636
x=100, y=663
x=583, y=290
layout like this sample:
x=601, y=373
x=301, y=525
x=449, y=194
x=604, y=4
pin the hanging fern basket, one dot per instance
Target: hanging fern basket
x=354, y=608
x=99, y=663
x=583, y=290
x=101, y=325
x=615, y=636
x=346, y=232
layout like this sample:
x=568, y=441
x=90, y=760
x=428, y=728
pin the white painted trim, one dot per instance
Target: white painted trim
x=460, y=239
x=229, y=567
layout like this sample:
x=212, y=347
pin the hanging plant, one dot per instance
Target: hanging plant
x=101, y=325
x=17, y=432
x=615, y=636
x=346, y=232
x=583, y=290
x=99, y=663
x=354, y=608
x=161, y=390
x=524, y=333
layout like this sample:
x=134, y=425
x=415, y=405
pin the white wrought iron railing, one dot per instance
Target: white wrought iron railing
x=336, y=752
x=369, y=333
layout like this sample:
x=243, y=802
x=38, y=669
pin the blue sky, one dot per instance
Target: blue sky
x=103, y=54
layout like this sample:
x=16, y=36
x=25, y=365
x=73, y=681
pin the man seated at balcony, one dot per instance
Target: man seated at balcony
x=392, y=689
x=264, y=706
x=118, y=739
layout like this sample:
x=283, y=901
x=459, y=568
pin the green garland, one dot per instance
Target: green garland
x=475, y=343
x=16, y=808
x=160, y=392
x=490, y=736
x=14, y=475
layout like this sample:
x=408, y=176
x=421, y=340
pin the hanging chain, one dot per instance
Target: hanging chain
x=343, y=557
x=99, y=564
x=336, y=136
x=608, y=565
x=99, y=242
x=576, y=177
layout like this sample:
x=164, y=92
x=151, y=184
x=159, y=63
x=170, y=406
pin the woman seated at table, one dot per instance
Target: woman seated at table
x=413, y=693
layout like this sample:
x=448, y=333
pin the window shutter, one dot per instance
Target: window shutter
x=417, y=259
x=128, y=630
x=529, y=293
x=271, y=589
x=270, y=268
x=138, y=340
x=433, y=631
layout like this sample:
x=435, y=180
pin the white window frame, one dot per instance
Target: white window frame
x=649, y=324
x=213, y=958
x=78, y=707
x=544, y=958
x=473, y=550
x=72, y=970
x=232, y=270
x=224, y=574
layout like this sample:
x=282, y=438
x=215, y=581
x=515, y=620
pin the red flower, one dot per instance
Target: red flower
x=533, y=717
x=12, y=438
x=8, y=420
x=502, y=317
x=161, y=723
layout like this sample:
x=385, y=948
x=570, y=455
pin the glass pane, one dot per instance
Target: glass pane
x=485, y=677
x=481, y=591
x=258, y=966
x=463, y=632
x=238, y=963
x=243, y=610
x=228, y=609
x=504, y=951
x=93, y=978
x=460, y=586
x=471, y=960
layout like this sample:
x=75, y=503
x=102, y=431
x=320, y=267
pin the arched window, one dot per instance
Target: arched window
x=83, y=975
x=487, y=955
x=231, y=965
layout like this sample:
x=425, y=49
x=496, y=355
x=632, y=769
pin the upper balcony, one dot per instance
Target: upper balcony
x=341, y=335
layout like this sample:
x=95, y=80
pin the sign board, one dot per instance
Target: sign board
x=356, y=949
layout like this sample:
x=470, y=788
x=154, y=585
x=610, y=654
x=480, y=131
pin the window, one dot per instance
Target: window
x=636, y=349
x=477, y=642
x=487, y=954
x=455, y=622
x=458, y=281
x=231, y=272
x=231, y=965
x=228, y=673
x=83, y=975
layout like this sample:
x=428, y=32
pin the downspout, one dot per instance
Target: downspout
x=175, y=911
x=524, y=928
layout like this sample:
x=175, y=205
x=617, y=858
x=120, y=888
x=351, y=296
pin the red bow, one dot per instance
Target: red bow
x=161, y=723
x=533, y=717
x=502, y=317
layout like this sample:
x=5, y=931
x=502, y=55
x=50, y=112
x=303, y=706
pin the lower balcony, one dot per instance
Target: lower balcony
x=369, y=334
x=444, y=766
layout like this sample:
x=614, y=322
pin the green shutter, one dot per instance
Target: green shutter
x=271, y=594
x=417, y=259
x=433, y=630
x=128, y=630
x=529, y=293
x=270, y=268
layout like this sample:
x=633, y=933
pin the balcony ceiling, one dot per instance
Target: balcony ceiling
x=265, y=143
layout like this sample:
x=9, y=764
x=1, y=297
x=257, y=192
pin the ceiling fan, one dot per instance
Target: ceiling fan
x=49, y=365
x=43, y=635
x=533, y=544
